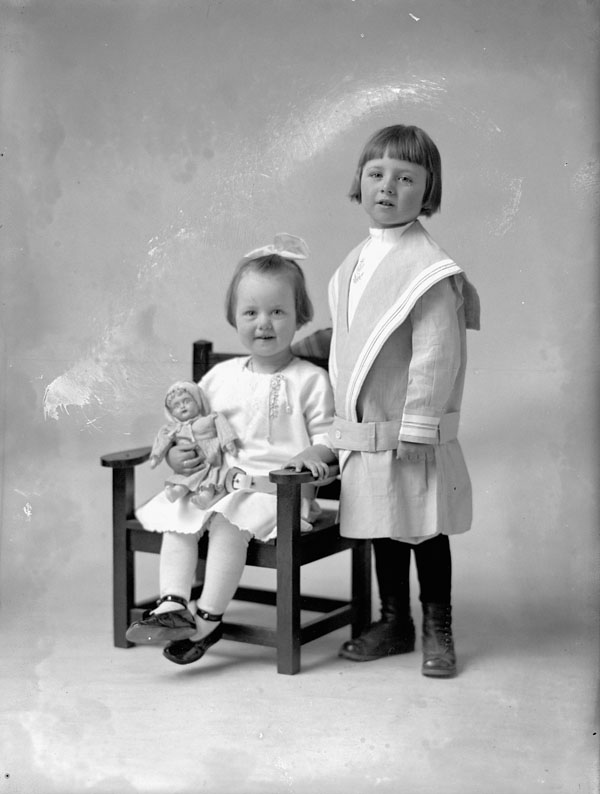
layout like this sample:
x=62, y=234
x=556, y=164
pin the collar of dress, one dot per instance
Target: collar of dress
x=413, y=265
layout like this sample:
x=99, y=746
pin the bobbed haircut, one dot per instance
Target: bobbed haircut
x=271, y=265
x=409, y=143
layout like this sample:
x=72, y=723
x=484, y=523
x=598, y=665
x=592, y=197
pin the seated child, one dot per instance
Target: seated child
x=277, y=404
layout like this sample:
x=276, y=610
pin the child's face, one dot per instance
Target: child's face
x=392, y=191
x=183, y=407
x=265, y=316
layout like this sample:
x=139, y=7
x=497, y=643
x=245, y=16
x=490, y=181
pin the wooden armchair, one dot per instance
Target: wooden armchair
x=286, y=554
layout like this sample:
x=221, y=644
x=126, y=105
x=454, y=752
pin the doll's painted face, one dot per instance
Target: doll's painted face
x=182, y=405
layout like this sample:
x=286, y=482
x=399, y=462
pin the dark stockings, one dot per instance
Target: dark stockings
x=434, y=569
x=395, y=632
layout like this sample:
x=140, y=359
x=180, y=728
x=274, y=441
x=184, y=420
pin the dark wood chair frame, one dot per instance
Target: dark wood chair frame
x=286, y=554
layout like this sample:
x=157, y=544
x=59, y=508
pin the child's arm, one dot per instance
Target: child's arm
x=317, y=400
x=315, y=459
x=435, y=362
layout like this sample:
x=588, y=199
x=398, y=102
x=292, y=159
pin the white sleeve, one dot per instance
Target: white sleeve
x=317, y=405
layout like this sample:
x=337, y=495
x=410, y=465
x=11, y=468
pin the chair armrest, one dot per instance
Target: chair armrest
x=290, y=476
x=126, y=459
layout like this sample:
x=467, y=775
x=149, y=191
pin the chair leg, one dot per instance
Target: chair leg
x=288, y=579
x=123, y=563
x=361, y=587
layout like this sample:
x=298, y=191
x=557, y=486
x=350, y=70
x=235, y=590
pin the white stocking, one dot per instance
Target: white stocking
x=178, y=559
x=225, y=561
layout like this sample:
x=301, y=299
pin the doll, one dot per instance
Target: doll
x=191, y=420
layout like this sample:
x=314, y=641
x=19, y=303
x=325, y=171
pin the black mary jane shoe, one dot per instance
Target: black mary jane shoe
x=188, y=651
x=155, y=629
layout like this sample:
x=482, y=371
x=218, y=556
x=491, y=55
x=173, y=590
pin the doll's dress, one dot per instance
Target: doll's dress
x=274, y=417
x=209, y=434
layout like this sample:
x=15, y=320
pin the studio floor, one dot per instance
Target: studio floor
x=81, y=716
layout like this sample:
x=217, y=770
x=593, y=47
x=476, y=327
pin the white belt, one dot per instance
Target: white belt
x=379, y=436
x=238, y=480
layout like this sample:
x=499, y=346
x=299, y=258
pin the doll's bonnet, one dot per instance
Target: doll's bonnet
x=195, y=393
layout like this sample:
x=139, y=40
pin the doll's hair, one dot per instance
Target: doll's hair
x=176, y=392
x=408, y=143
x=271, y=265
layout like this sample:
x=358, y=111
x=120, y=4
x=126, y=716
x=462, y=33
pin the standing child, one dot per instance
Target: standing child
x=400, y=306
x=275, y=404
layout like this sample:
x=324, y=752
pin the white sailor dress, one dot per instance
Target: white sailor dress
x=398, y=372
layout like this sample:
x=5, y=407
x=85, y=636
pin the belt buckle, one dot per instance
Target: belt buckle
x=232, y=479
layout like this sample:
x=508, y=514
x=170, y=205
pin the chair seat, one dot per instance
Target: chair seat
x=322, y=540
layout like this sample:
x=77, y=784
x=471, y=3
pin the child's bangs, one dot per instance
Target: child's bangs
x=406, y=148
x=398, y=143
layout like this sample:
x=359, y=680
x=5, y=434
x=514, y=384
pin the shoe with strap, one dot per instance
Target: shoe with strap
x=187, y=651
x=158, y=628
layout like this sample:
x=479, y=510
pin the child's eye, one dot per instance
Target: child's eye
x=406, y=179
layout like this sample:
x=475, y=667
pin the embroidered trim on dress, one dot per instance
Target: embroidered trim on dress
x=277, y=381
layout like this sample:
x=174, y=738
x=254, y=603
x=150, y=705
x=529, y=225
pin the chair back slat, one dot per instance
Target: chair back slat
x=204, y=358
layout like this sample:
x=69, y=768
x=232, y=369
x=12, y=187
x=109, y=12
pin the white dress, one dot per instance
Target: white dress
x=275, y=417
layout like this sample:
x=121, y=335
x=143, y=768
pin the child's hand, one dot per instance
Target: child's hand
x=412, y=453
x=183, y=458
x=311, y=458
x=313, y=463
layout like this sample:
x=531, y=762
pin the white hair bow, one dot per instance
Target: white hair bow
x=286, y=245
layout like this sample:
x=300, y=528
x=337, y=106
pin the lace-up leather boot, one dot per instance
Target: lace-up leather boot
x=439, y=658
x=393, y=634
